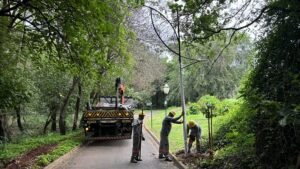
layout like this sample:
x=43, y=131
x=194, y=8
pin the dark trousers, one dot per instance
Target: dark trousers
x=136, y=146
x=164, y=145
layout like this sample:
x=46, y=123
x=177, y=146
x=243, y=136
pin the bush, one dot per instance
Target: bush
x=206, y=100
x=225, y=106
x=194, y=108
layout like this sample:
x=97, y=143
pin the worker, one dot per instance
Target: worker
x=195, y=134
x=164, y=133
x=137, y=138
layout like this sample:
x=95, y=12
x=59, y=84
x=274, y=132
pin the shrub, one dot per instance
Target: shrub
x=194, y=108
x=225, y=106
x=206, y=101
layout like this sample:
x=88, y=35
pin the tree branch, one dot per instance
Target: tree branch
x=151, y=14
x=213, y=32
x=221, y=52
x=6, y=10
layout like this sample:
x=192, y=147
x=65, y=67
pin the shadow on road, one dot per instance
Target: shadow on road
x=109, y=143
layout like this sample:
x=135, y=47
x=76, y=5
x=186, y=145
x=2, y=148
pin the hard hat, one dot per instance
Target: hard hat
x=173, y=113
x=191, y=123
x=141, y=115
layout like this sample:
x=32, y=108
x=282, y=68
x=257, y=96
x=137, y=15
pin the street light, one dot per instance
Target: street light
x=166, y=90
x=181, y=67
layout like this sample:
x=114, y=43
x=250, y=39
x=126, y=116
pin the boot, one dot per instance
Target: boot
x=168, y=159
x=133, y=160
x=138, y=159
x=189, y=148
x=161, y=156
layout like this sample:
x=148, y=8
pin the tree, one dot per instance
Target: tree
x=223, y=79
x=148, y=68
x=270, y=92
x=273, y=87
x=56, y=33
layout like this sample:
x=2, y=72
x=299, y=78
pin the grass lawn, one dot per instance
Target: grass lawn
x=176, y=135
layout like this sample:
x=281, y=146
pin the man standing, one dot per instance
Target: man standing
x=194, y=135
x=164, y=134
x=137, y=138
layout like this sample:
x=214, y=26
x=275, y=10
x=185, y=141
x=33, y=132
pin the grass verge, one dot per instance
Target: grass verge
x=65, y=143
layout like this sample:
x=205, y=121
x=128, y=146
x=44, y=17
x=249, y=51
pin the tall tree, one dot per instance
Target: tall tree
x=221, y=80
x=270, y=92
x=273, y=87
x=148, y=68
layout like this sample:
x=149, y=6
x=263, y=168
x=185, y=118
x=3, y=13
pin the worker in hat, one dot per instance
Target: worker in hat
x=137, y=138
x=164, y=134
x=194, y=135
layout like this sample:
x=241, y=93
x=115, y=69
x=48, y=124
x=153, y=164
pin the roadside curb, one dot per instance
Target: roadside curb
x=175, y=160
x=62, y=160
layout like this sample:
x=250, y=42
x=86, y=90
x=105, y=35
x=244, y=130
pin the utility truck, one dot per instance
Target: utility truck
x=111, y=117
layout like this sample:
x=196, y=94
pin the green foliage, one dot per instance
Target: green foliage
x=22, y=145
x=273, y=91
x=226, y=105
x=234, y=136
x=208, y=101
x=42, y=53
x=221, y=79
x=63, y=147
x=194, y=108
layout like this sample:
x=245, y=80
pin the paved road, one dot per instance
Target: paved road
x=116, y=155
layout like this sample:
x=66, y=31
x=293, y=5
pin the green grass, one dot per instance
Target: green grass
x=65, y=143
x=62, y=148
x=176, y=135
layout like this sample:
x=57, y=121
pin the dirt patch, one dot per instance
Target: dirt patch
x=193, y=159
x=29, y=158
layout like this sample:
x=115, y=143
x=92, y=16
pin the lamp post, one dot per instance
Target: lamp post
x=149, y=104
x=166, y=90
x=181, y=67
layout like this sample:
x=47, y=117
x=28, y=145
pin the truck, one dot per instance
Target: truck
x=111, y=118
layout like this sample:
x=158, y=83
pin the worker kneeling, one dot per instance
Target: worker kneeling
x=195, y=134
x=137, y=138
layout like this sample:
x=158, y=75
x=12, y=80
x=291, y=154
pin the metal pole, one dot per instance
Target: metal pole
x=151, y=115
x=165, y=104
x=208, y=123
x=211, y=129
x=165, y=111
x=182, y=90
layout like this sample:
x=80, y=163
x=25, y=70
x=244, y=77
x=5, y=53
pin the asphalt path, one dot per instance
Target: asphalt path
x=116, y=155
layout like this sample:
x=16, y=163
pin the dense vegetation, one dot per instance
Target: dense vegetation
x=56, y=55
x=265, y=127
x=51, y=60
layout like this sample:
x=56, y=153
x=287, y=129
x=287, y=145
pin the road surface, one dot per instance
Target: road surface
x=116, y=155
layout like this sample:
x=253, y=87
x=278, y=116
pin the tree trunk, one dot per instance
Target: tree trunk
x=4, y=134
x=62, y=122
x=53, y=118
x=94, y=96
x=18, y=112
x=53, y=121
x=77, y=106
x=2, y=128
x=47, y=123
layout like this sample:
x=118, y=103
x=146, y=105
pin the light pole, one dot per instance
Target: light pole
x=166, y=90
x=149, y=104
x=181, y=67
